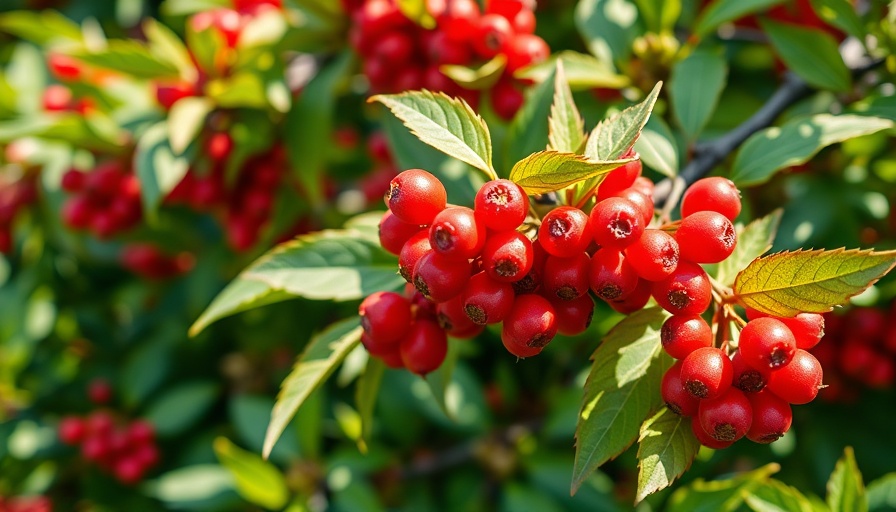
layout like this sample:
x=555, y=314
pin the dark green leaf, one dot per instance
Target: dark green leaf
x=694, y=89
x=608, y=27
x=250, y=415
x=722, y=11
x=810, y=53
x=566, y=128
x=40, y=27
x=840, y=14
x=846, y=490
x=657, y=148
x=796, y=142
x=582, y=71
x=180, y=408
x=546, y=171
x=621, y=390
x=666, y=448
x=157, y=167
x=752, y=242
x=321, y=357
x=447, y=124
x=366, y=392
x=258, y=481
x=482, y=77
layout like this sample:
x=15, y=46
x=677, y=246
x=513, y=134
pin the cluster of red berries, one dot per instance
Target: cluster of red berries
x=401, y=56
x=860, y=350
x=149, y=262
x=127, y=451
x=14, y=196
x=104, y=201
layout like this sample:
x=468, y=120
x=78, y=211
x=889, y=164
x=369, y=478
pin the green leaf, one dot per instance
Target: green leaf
x=242, y=89
x=840, y=14
x=416, y=11
x=812, y=281
x=608, y=27
x=882, y=493
x=546, y=171
x=721, y=495
x=694, y=89
x=775, y=496
x=482, y=77
x=656, y=147
x=180, y=408
x=131, y=58
x=612, y=137
x=197, y=487
x=323, y=354
x=796, y=142
x=338, y=265
x=566, y=128
x=528, y=131
x=265, y=28
x=158, y=167
x=621, y=390
x=659, y=15
x=665, y=451
x=366, y=392
x=165, y=45
x=846, y=491
x=440, y=382
x=583, y=71
x=722, y=11
x=810, y=53
x=249, y=415
x=447, y=124
x=185, y=120
x=258, y=481
x=40, y=27
x=752, y=242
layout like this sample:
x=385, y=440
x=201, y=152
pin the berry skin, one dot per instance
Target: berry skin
x=487, y=301
x=492, y=34
x=799, y=381
x=619, y=178
x=746, y=378
x=726, y=418
x=141, y=432
x=99, y=391
x=531, y=324
x=457, y=233
x=677, y=399
x=642, y=201
x=501, y=205
x=634, y=301
x=686, y=292
x=415, y=248
x=385, y=317
x=766, y=343
x=395, y=233
x=705, y=439
x=416, y=196
x=807, y=328
x=507, y=256
x=616, y=223
x=611, y=277
x=706, y=237
x=566, y=278
x=71, y=430
x=564, y=232
x=712, y=194
x=73, y=180
x=771, y=417
x=506, y=99
x=424, y=347
x=574, y=316
x=525, y=49
x=453, y=319
x=683, y=334
x=128, y=470
x=654, y=256
x=706, y=373
x=440, y=278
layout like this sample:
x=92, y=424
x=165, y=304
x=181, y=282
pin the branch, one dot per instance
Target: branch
x=707, y=155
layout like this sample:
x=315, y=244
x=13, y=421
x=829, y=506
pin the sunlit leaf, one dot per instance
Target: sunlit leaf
x=722, y=11
x=257, y=480
x=546, y=171
x=846, y=490
x=482, y=77
x=666, y=448
x=566, y=128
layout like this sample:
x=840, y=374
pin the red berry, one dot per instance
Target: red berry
x=746, y=378
x=169, y=93
x=507, y=256
x=416, y=196
x=453, y=319
x=677, y=399
x=394, y=49
x=73, y=180
x=525, y=49
x=643, y=202
x=564, y=232
x=644, y=186
x=128, y=470
x=616, y=223
x=501, y=205
x=712, y=194
x=634, y=301
x=807, y=328
x=706, y=373
x=683, y=334
x=459, y=19
x=99, y=391
x=95, y=448
x=71, y=430
x=99, y=424
x=574, y=316
x=147, y=455
x=654, y=256
x=771, y=417
x=415, y=248
x=141, y=432
x=441, y=50
x=686, y=292
x=706, y=237
x=57, y=98
x=619, y=178
x=566, y=278
x=531, y=324
x=726, y=418
x=457, y=233
x=64, y=67
x=611, y=277
x=492, y=33
x=766, y=343
x=385, y=317
x=506, y=99
x=705, y=438
x=799, y=381
x=487, y=301
x=424, y=347
x=394, y=233
x=440, y=278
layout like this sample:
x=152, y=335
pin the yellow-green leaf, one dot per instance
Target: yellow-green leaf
x=483, y=77
x=846, y=490
x=257, y=480
x=546, y=171
x=566, y=128
x=813, y=281
x=582, y=71
x=666, y=448
x=416, y=11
